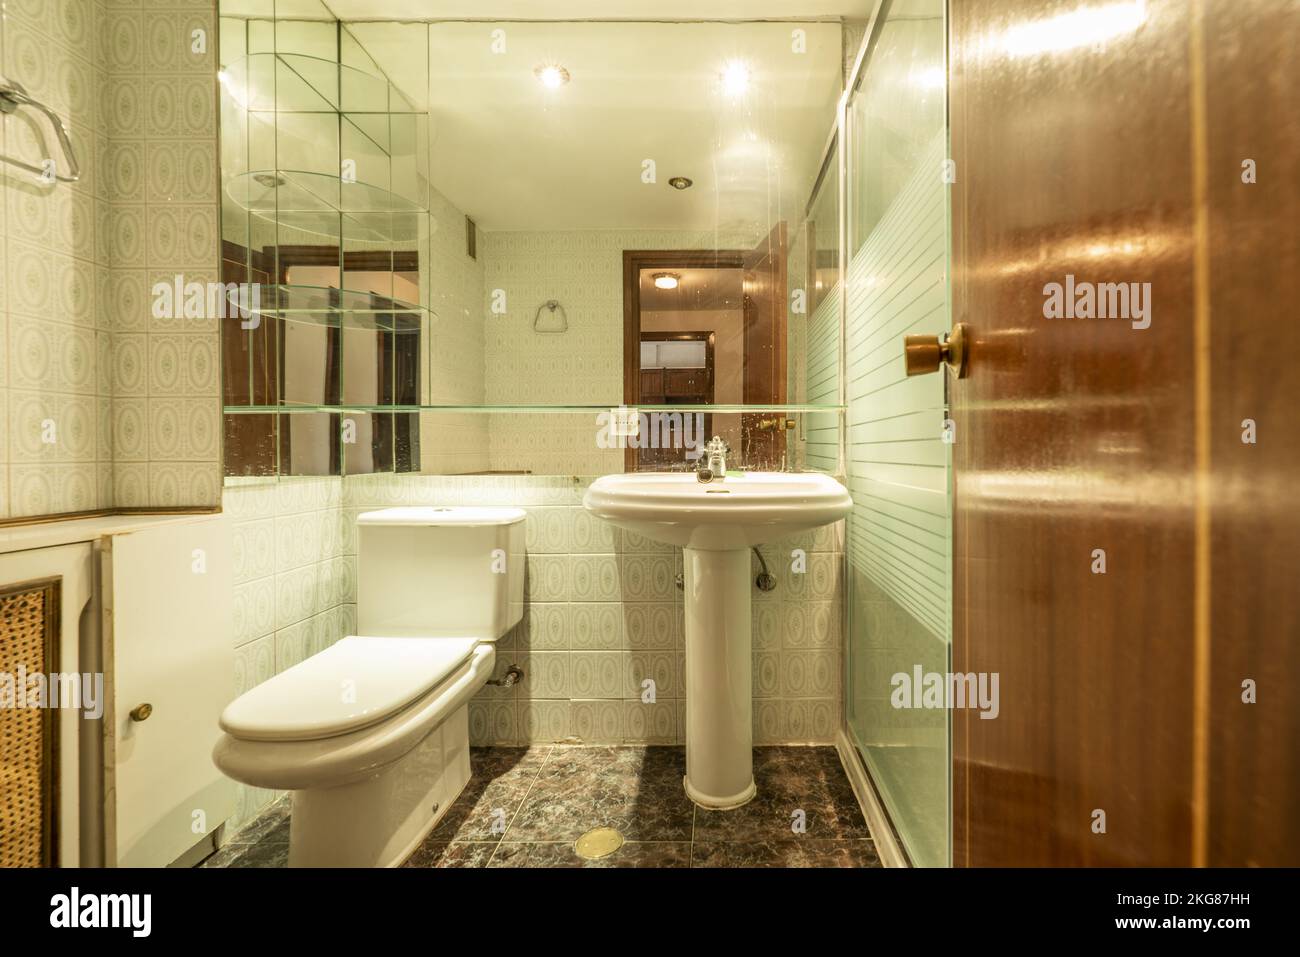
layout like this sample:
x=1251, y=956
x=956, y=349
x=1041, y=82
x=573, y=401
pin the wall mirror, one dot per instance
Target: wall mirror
x=502, y=230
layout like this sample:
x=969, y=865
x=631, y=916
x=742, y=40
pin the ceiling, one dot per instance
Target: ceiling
x=515, y=155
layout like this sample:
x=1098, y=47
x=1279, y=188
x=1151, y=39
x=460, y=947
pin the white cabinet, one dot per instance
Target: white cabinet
x=146, y=602
x=169, y=598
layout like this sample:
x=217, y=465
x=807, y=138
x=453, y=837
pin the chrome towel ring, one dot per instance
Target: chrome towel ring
x=12, y=96
x=557, y=312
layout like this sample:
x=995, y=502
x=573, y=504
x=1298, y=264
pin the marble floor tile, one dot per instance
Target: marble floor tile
x=635, y=790
x=250, y=855
x=525, y=806
x=446, y=854
x=803, y=793
x=631, y=854
x=784, y=853
x=500, y=779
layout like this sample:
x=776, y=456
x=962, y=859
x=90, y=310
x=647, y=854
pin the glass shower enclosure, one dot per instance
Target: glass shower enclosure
x=898, y=437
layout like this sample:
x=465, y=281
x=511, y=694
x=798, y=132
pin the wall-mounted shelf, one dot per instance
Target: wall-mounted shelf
x=528, y=409
x=299, y=83
x=338, y=308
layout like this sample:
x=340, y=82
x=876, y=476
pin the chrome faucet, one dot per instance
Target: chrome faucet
x=713, y=463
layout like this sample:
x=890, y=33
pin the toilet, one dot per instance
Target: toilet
x=371, y=735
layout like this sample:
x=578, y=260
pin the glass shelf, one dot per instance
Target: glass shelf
x=276, y=192
x=338, y=308
x=299, y=83
x=529, y=409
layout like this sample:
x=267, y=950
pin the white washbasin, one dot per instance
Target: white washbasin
x=716, y=524
x=741, y=511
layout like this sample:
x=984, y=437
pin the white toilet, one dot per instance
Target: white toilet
x=371, y=735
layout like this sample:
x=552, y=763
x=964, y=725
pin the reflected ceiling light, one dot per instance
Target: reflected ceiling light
x=1087, y=26
x=551, y=76
x=735, y=78
x=666, y=280
x=681, y=182
x=931, y=79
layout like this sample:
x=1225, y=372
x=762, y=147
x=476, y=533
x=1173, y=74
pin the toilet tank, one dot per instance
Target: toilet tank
x=440, y=572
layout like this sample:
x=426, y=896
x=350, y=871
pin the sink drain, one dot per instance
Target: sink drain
x=598, y=842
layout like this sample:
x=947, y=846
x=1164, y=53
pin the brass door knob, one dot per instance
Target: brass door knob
x=141, y=712
x=924, y=354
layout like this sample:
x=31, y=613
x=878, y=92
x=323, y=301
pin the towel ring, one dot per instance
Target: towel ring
x=554, y=306
x=12, y=96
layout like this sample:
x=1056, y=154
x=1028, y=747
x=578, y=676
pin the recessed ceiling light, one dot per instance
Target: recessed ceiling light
x=681, y=182
x=735, y=78
x=666, y=280
x=551, y=76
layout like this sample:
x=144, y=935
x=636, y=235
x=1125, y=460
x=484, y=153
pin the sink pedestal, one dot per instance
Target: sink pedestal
x=719, y=669
x=716, y=524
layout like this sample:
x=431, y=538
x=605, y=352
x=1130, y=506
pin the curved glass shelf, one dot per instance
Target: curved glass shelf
x=300, y=83
x=275, y=192
x=337, y=308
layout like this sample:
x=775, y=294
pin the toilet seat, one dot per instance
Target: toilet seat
x=283, y=764
x=355, y=683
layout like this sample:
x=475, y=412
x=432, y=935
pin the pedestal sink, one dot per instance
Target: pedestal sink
x=716, y=524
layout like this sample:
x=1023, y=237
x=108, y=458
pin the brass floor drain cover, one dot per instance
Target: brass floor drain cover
x=598, y=843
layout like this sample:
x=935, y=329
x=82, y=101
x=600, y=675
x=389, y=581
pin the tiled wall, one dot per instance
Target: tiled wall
x=453, y=442
x=55, y=393
x=101, y=404
x=294, y=583
x=161, y=183
x=583, y=270
x=603, y=613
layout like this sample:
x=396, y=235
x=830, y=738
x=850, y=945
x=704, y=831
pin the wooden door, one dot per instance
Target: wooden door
x=765, y=354
x=1251, y=266
x=1083, y=440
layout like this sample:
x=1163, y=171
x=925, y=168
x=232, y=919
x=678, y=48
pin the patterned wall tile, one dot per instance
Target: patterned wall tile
x=135, y=418
x=597, y=625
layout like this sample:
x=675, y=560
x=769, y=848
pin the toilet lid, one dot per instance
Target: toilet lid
x=351, y=684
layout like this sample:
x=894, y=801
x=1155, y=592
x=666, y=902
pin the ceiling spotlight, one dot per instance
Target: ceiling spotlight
x=552, y=77
x=681, y=182
x=666, y=280
x=735, y=78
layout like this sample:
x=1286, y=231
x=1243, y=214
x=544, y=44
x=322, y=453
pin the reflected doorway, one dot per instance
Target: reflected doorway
x=705, y=328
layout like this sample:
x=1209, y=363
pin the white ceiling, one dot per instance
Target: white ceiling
x=514, y=155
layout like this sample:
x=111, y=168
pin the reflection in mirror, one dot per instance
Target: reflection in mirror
x=323, y=212
x=491, y=226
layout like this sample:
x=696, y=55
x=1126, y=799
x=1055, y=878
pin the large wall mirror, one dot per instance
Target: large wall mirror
x=500, y=229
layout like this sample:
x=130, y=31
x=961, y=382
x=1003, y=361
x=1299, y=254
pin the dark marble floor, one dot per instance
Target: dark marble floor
x=525, y=807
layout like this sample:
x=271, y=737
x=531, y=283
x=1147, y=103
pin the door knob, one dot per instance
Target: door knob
x=924, y=354
x=141, y=712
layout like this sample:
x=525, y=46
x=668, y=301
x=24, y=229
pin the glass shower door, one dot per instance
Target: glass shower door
x=897, y=445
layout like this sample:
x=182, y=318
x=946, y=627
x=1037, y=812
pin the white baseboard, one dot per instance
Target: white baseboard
x=882, y=832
